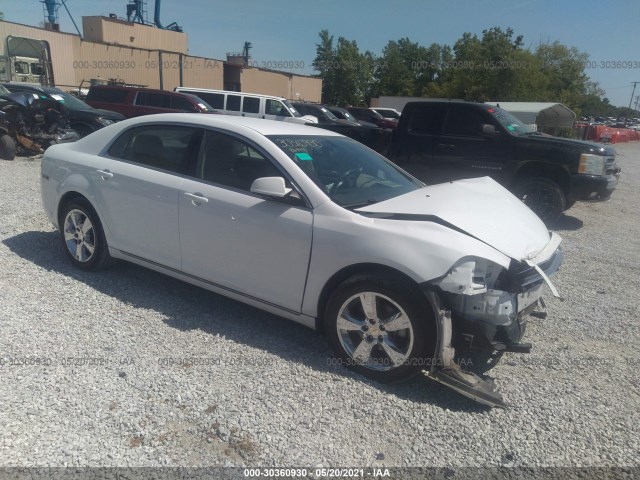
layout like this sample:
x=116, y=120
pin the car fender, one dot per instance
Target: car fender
x=420, y=250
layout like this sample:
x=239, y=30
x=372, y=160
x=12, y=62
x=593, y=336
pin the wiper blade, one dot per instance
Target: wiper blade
x=361, y=204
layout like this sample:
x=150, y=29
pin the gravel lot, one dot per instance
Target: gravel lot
x=131, y=368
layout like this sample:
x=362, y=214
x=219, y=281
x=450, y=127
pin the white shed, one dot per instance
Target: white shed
x=543, y=114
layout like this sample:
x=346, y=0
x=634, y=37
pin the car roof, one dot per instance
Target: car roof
x=136, y=89
x=259, y=125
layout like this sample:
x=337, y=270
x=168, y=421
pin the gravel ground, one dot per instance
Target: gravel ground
x=131, y=368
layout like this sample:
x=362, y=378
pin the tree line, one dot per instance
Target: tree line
x=495, y=66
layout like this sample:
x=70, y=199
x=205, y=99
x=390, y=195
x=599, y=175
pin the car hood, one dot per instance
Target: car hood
x=108, y=114
x=478, y=207
x=578, y=145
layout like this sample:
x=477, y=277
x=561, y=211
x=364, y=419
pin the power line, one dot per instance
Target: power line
x=634, y=91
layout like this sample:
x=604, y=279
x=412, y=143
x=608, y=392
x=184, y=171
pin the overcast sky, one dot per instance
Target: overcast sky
x=287, y=30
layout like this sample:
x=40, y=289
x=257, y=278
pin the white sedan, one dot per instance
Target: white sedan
x=314, y=227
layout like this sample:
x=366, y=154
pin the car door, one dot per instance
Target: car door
x=463, y=150
x=138, y=185
x=414, y=142
x=276, y=110
x=251, y=106
x=149, y=103
x=232, y=238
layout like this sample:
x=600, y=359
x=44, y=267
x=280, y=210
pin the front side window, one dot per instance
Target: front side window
x=351, y=174
x=22, y=68
x=228, y=161
x=465, y=122
x=36, y=69
x=277, y=108
x=164, y=147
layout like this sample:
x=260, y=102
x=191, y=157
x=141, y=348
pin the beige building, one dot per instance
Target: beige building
x=117, y=50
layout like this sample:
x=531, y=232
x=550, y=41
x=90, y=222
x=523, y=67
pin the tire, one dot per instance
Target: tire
x=543, y=196
x=82, y=236
x=7, y=147
x=385, y=355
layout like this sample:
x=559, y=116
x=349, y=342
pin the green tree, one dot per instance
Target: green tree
x=346, y=73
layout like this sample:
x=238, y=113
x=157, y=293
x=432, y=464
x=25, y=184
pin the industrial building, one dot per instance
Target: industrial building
x=137, y=52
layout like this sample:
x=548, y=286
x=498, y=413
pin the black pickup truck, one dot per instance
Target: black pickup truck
x=440, y=141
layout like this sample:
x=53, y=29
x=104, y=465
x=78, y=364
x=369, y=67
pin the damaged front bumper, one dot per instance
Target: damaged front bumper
x=481, y=307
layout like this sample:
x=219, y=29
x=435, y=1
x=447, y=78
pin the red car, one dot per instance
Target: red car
x=135, y=101
x=371, y=116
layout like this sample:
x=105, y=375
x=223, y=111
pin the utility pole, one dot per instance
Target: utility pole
x=634, y=91
x=637, y=100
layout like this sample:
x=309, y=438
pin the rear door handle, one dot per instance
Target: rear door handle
x=197, y=198
x=105, y=174
x=446, y=146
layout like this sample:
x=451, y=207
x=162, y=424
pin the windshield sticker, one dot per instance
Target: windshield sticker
x=511, y=128
x=303, y=156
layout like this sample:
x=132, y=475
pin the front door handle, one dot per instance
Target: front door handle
x=446, y=146
x=105, y=174
x=197, y=198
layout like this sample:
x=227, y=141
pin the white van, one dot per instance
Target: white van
x=249, y=105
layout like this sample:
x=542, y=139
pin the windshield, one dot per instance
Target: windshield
x=69, y=101
x=352, y=175
x=201, y=103
x=388, y=114
x=292, y=109
x=508, y=121
x=328, y=113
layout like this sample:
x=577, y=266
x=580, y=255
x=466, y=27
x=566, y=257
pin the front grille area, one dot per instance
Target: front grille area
x=521, y=277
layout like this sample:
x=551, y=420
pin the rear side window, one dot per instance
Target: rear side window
x=427, y=120
x=164, y=147
x=251, y=105
x=107, y=95
x=464, y=122
x=152, y=99
x=233, y=103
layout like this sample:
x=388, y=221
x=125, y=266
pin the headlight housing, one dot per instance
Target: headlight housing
x=471, y=277
x=104, y=121
x=591, y=164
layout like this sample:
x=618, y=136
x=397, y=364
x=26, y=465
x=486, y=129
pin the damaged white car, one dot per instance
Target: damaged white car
x=315, y=227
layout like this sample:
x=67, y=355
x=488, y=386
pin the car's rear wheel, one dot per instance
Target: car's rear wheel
x=543, y=196
x=382, y=329
x=7, y=147
x=82, y=235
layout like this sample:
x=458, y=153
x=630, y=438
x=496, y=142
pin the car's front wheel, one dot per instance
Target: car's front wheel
x=82, y=235
x=543, y=196
x=382, y=329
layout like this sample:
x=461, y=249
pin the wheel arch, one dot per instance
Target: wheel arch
x=555, y=173
x=352, y=271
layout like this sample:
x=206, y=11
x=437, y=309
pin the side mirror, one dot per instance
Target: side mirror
x=489, y=130
x=270, y=186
